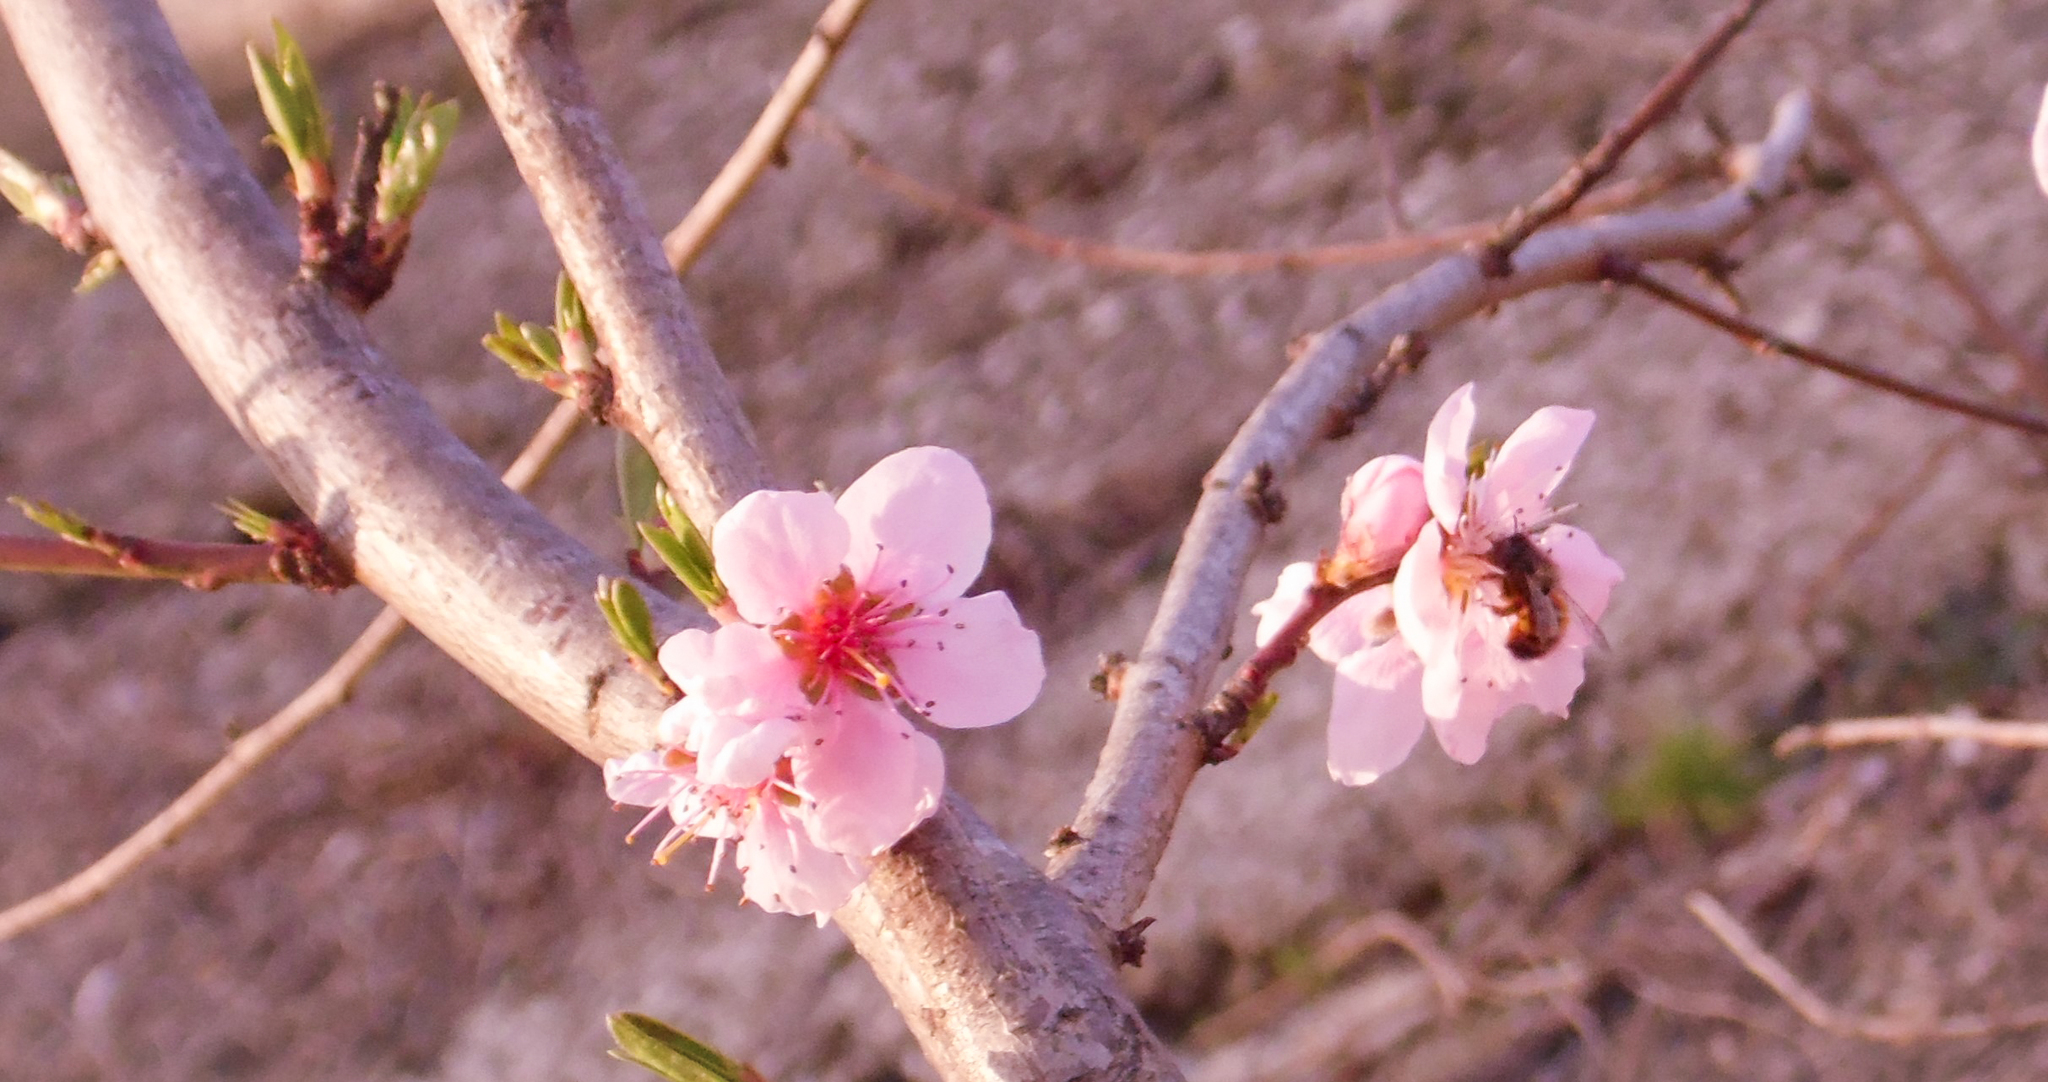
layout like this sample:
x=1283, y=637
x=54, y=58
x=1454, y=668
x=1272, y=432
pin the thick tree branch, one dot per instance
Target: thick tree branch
x=1004, y=977
x=668, y=390
x=1154, y=748
x=431, y=530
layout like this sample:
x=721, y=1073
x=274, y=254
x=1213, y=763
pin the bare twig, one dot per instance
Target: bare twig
x=998, y=972
x=256, y=747
x=1881, y=518
x=200, y=565
x=1941, y=262
x=1765, y=341
x=763, y=144
x=1383, y=152
x=1152, y=755
x=668, y=390
x=1216, y=261
x=1232, y=706
x=1497, y=256
x=1826, y=1016
x=1853, y=731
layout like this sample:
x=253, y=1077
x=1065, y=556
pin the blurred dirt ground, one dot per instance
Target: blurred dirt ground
x=428, y=888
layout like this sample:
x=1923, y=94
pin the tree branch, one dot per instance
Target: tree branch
x=200, y=565
x=1153, y=751
x=1497, y=257
x=1854, y=731
x=1763, y=341
x=668, y=390
x=951, y=917
x=259, y=745
x=431, y=530
x=763, y=145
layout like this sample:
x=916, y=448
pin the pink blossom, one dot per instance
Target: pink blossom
x=1496, y=599
x=854, y=618
x=1376, y=705
x=782, y=869
x=1382, y=510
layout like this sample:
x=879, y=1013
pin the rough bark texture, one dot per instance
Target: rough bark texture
x=668, y=391
x=1153, y=753
x=431, y=529
x=992, y=963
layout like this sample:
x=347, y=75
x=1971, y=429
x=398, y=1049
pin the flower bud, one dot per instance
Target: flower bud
x=1383, y=510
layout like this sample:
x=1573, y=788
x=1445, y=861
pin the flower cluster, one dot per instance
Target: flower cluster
x=794, y=738
x=1491, y=604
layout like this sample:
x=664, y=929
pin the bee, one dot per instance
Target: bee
x=1532, y=591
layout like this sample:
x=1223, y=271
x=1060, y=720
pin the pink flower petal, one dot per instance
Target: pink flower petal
x=774, y=549
x=1588, y=574
x=1446, y=456
x=920, y=516
x=686, y=657
x=786, y=873
x=1464, y=738
x=1552, y=681
x=1360, y=624
x=969, y=663
x=1383, y=507
x=642, y=779
x=867, y=777
x=1515, y=492
x=1429, y=619
x=1288, y=595
x=741, y=752
x=1375, y=717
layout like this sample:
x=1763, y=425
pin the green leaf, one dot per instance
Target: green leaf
x=251, y=523
x=516, y=345
x=669, y=1052
x=626, y=611
x=291, y=103
x=102, y=268
x=55, y=519
x=638, y=482
x=685, y=550
x=420, y=131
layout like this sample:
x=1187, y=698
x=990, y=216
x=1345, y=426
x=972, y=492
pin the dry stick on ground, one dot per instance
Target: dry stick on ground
x=1852, y=731
x=1627, y=273
x=1218, y=261
x=1823, y=1015
x=997, y=971
x=333, y=687
x=1497, y=256
x=259, y=745
x=668, y=391
x=1941, y=262
x=1153, y=753
x=763, y=145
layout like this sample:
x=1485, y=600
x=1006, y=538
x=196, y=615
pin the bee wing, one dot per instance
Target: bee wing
x=1579, y=617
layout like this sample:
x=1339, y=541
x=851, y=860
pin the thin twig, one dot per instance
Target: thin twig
x=259, y=745
x=1765, y=341
x=668, y=390
x=1383, y=152
x=763, y=144
x=1152, y=754
x=1233, y=706
x=1853, y=731
x=200, y=565
x=1940, y=260
x=1215, y=261
x=1881, y=519
x=1497, y=257
x=1826, y=1016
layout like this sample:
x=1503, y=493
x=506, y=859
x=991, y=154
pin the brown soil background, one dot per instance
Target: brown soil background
x=428, y=888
